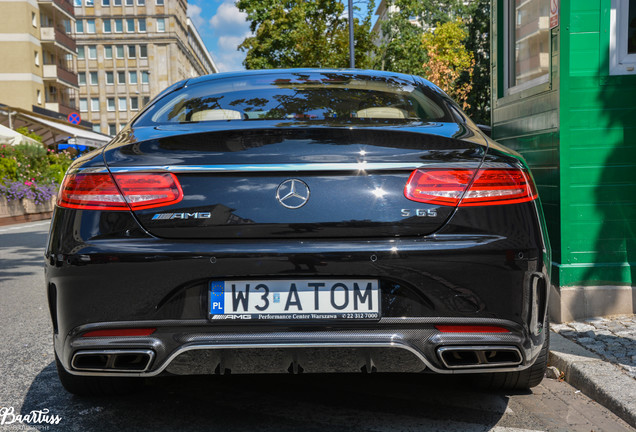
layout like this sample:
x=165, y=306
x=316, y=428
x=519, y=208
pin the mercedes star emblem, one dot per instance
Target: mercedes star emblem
x=292, y=193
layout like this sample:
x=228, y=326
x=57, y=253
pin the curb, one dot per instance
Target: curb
x=594, y=377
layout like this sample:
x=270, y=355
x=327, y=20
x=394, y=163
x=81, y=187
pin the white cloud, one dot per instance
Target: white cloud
x=230, y=29
x=229, y=20
x=194, y=12
x=228, y=58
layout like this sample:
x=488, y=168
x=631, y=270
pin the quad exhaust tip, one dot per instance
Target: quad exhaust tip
x=467, y=357
x=113, y=360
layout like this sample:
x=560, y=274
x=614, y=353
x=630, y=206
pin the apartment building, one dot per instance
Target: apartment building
x=130, y=50
x=37, y=71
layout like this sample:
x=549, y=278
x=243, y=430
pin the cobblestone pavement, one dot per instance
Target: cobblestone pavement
x=613, y=338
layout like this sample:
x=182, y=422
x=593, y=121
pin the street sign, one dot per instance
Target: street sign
x=554, y=13
x=74, y=118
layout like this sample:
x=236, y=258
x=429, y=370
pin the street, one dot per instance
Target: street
x=250, y=403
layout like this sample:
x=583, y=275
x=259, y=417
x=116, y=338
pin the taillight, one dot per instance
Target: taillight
x=120, y=332
x=470, y=329
x=490, y=187
x=126, y=191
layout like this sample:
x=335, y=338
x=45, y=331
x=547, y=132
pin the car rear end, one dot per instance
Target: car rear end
x=236, y=230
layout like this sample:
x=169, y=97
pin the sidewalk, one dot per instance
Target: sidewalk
x=598, y=357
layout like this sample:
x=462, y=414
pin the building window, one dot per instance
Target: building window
x=36, y=58
x=77, y=3
x=132, y=77
x=160, y=2
x=143, y=51
x=146, y=99
x=130, y=2
x=110, y=78
x=92, y=52
x=623, y=37
x=161, y=24
x=144, y=77
x=120, y=51
x=90, y=26
x=116, y=2
x=141, y=2
x=94, y=104
x=121, y=103
x=94, y=80
x=67, y=26
x=90, y=3
x=97, y=128
x=134, y=103
x=119, y=26
x=121, y=77
x=107, y=26
x=132, y=51
x=81, y=78
x=80, y=53
x=34, y=19
x=83, y=105
x=527, y=51
x=142, y=25
x=130, y=25
x=110, y=104
x=105, y=2
x=112, y=129
x=108, y=52
x=38, y=96
x=79, y=26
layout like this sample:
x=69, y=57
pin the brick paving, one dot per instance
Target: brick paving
x=613, y=338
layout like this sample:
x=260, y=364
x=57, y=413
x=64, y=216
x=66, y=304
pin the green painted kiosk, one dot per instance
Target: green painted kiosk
x=564, y=96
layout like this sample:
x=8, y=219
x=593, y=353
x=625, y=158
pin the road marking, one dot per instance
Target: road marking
x=26, y=225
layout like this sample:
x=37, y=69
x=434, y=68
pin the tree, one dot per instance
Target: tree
x=402, y=50
x=449, y=59
x=478, y=43
x=297, y=33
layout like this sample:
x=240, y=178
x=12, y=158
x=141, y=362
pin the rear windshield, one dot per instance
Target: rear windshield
x=301, y=97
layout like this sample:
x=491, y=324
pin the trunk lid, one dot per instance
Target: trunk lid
x=320, y=182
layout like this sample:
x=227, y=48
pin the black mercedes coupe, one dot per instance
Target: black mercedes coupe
x=298, y=221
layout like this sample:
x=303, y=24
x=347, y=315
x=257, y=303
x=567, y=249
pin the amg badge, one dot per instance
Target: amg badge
x=195, y=215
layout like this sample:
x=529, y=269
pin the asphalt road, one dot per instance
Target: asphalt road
x=28, y=384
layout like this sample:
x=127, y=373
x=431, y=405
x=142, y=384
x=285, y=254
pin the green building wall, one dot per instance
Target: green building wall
x=578, y=134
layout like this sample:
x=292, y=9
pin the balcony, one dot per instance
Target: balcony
x=52, y=34
x=64, y=6
x=60, y=108
x=61, y=75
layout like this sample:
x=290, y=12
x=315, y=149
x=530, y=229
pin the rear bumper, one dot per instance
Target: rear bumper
x=413, y=345
x=110, y=274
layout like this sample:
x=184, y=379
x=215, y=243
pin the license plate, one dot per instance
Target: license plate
x=356, y=299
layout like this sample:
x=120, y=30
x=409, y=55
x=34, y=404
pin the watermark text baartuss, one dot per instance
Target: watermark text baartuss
x=8, y=416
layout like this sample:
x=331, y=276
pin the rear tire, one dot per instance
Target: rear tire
x=522, y=380
x=96, y=386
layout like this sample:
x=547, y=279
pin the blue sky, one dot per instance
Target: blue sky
x=223, y=28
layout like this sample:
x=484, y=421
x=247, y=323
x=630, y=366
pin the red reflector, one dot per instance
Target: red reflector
x=470, y=329
x=120, y=332
x=490, y=187
x=136, y=191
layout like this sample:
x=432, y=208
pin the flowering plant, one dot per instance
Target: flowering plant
x=31, y=172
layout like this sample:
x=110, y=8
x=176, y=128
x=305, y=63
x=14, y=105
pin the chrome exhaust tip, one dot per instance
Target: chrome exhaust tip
x=112, y=360
x=466, y=357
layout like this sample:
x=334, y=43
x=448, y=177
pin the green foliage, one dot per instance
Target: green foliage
x=448, y=59
x=402, y=49
x=8, y=169
x=478, y=43
x=297, y=33
x=26, y=132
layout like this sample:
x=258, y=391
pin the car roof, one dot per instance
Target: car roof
x=353, y=72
